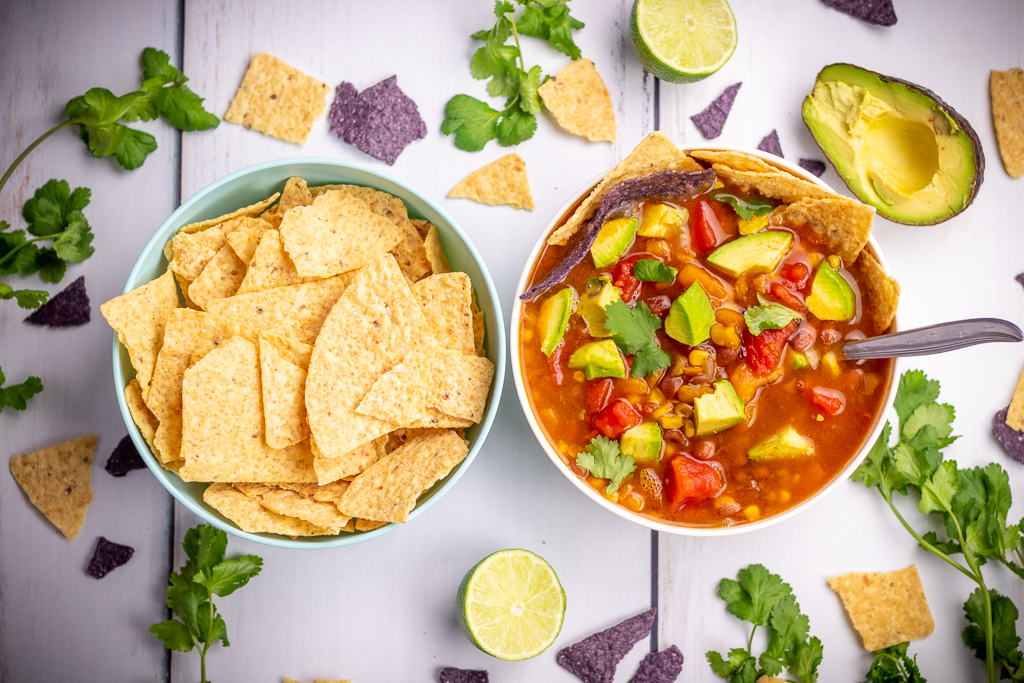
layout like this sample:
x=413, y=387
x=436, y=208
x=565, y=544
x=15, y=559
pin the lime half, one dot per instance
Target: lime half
x=682, y=41
x=511, y=605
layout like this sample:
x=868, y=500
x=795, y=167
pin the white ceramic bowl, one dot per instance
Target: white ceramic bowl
x=590, y=492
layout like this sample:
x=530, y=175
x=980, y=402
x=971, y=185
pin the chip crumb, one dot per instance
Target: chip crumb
x=1006, y=89
x=500, y=182
x=69, y=308
x=578, y=100
x=711, y=121
x=277, y=100
x=58, y=481
x=107, y=557
x=886, y=609
x=124, y=459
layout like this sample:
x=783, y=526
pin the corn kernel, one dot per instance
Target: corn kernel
x=635, y=386
x=671, y=421
x=752, y=512
x=816, y=258
x=724, y=500
x=661, y=410
x=835, y=262
x=656, y=396
x=819, y=418
x=697, y=357
x=718, y=185
x=832, y=363
x=784, y=496
x=688, y=429
x=725, y=336
x=578, y=376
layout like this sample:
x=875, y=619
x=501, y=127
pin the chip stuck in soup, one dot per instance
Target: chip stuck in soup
x=680, y=343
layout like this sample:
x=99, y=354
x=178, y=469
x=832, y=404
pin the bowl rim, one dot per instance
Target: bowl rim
x=163, y=234
x=590, y=492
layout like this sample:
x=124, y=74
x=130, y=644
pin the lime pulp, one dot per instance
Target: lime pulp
x=682, y=41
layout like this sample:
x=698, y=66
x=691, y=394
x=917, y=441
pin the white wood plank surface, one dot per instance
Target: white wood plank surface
x=57, y=623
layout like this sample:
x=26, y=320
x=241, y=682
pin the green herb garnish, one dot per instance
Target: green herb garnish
x=191, y=590
x=764, y=599
x=746, y=208
x=634, y=331
x=972, y=503
x=16, y=396
x=653, y=270
x=473, y=122
x=768, y=316
x=603, y=458
x=893, y=665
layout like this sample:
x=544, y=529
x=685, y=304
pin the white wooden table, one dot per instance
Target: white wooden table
x=384, y=610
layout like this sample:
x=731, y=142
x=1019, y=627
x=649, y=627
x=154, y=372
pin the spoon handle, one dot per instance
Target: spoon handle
x=924, y=341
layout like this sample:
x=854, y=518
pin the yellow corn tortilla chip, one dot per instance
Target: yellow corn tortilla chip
x=183, y=285
x=388, y=489
x=144, y=419
x=284, y=410
x=882, y=291
x=654, y=154
x=435, y=419
x=292, y=504
x=295, y=193
x=139, y=318
x=409, y=252
x=500, y=182
x=248, y=515
x=1015, y=413
x=337, y=233
x=190, y=256
x=578, y=100
x=840, y=223
x=270, y=267
x=1007, y=91
x=435, y=252
x=369, y=525
x=400, y=394
x=404, y=435
x=738, y=161
x=886, y=609
x=58, y=481
x=251, y=210
x=245, y=240
x=219, y=279
x=296, y=311
x=328, y=493
x=422, y=226
x=769, y=679
x=775, y=184
x=447, y=301
x=479, y=329
x=461, y=385
x=222, y=423
x=277, y=100
x=332, y=470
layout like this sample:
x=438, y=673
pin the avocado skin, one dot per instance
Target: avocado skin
x=965, y=126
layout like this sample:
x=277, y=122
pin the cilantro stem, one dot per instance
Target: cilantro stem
x=750, y=641
x=24, y=244
x=28, y=150
x=515, y=34
x=925, y=544
x=990, y=661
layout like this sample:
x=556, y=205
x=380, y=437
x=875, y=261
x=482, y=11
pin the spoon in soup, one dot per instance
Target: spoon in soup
x=925, y=341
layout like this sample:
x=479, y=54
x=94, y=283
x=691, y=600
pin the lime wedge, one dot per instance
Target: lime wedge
x=682, y=41
x=511, y=605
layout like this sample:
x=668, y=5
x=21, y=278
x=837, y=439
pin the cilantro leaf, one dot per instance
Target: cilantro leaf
x=550, y=21
x=53, y=206
x=768, y=316
x=937, y=415
x=915, y=390
x=893, y=665
x=97, y=113
x=184, y=109
x=648, y=361
x=173, y=634
x=229, y=575
x=16, y=396
x=631, y=328
x=516, y=126
x=604, y=459
x=473, y=122
x=753, y=596
x=26, y=298
x=204, y=546
x=528, y=84
x=653, y=270
x=50, y=266
x=211, y=626
x=746, y=208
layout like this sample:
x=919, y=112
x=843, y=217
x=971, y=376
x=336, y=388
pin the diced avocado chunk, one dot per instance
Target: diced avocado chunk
x=599, y=359
x=832, y=297
x=659, y=219
x=690, y=319
x=798, y=360
x=716, y=412
x=786, y=444
x=599, y=293
x=554, y=318
x=757, y=253
x=643, y=442
x=613, y=240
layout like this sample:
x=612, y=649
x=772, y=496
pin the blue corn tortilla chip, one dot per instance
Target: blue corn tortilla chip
x=770, y=144
x=660, y=667
x=1011, y=440
x=710, y=121
x=108, y=557
x=381, y=121
x=877, y=12
x=813, y=166
x=593, y=660
x=453, y=675
x=671, y=185
x=1020, y=279
x=124, y=459
x=69, y=308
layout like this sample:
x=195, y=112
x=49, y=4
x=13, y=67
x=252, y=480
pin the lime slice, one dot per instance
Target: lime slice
x=682, y=41
x=511, y=605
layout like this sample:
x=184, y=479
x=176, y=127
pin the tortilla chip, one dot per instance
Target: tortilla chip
x=374, y=325
x=139, y=318
x=774, y=184
x=578, y=100
x=404, y=435
x=270, y=267
x=400, y=394
x=409, y=252
x=292, y=504
x=219, y=279
x=295, y=193
x=183, y=285
x=435, y=419
x=245, y=240
x=296, y=311
x=328, y=493
x=222, y=423
x=277, y=100
x=737, y=161
x=655, y=153
x=190, y=256
x=246, y=211
x=388, y=489
x=841, y=224
x=144, y=419
x=1007, y=92
x=422, y=226
x=500, y=182
x=248, y=515
x=1015, y=413
x=479, y=328
x=447, y=301
x=336, y=234
x=58, y=481
x=882, y=291
x=886, y=609
x=284, y=410
x=435, y=252
x=332, y=470
x=461, y=386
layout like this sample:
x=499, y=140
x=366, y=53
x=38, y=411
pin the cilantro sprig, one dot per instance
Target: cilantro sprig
x=634, y=331
x=16, y=396
x=973, y=505
x=765, y=600
x=653, y=270
x=745, y=207
x=894, y=665
x=768, y=316
x=603, y=458
x=474, y=123
x=191, y=590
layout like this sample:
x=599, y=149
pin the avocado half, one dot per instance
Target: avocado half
x=898, y=146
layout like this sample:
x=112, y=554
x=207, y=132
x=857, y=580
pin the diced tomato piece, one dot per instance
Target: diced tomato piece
x=598, y=393
x=616, y=418
x=624, y=278
x=786, y=297
x=797, y=274
x=765, y=350
x=688, y=480
x=558, y=365
x=827, y=402
x=706, y=228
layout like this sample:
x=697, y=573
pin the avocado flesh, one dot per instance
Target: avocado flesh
x=786, y=444
x=599, y=294
x=599, y=359
x=643, y=442
x=690, y=319
x=716, y=412
x=613, y=240
x=554, y=318
x=757, y=253
x=897, y=145
x=832, y=297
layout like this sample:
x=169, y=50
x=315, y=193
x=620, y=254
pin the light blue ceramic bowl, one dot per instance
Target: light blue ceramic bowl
x=249, y=186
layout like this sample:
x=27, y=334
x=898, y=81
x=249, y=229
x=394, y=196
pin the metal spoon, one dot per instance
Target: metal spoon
x=924, y=341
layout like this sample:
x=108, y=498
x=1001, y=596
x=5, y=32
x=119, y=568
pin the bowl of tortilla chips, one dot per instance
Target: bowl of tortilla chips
x=308, y=353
